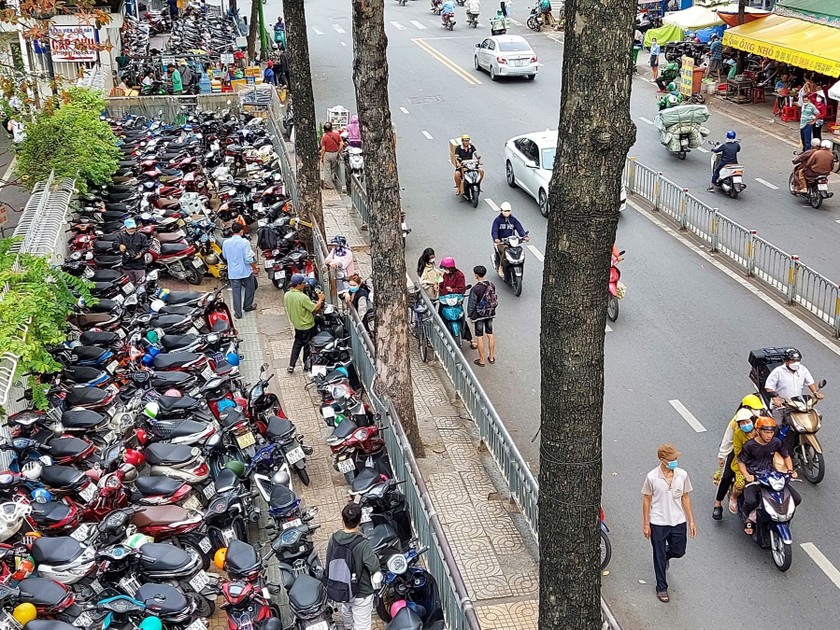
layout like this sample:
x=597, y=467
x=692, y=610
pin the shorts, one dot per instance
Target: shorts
x=483, y=325
x=654, y=61
x=714, y=65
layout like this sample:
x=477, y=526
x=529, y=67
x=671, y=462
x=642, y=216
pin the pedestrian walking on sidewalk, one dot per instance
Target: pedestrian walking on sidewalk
x=331, y=146
x=300, y=310
x=667, y=518
x=352, y=573
x=481, y=309
x=242, y=270
x=654, y=59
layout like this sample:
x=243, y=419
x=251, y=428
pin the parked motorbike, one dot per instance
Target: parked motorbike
x=535, y=18
x=615, y=287
x=452, y=313
x=414, y=586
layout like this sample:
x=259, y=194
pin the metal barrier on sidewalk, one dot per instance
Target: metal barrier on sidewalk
x=358, y=195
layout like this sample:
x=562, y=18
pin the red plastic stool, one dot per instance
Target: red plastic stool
x=758, y=95
x=790, y=113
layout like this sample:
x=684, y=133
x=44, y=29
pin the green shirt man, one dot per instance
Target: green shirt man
x=301, y=313
x=177, y=83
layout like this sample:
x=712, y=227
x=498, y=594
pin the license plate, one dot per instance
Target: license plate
x=228, y=534
x=246, y=439
x=109, y=437
x=198, y=624
x=204, y=544
x=366, y=512
x=96, y=587
x=209, y=491
x=119, y=299
x=193, y=331
x=112, y=367
x=128, y=288
x=207, y=373
x=321, y=625
x=684, y=142
x=318, y=370
x=192, y=503
x=83, y=621
x=328, y=412
x=130, y=585
x=346, y=466
x=262, y=222
x=822, y=186
x=518, y=62
x=120, y=332
x=196, y=262
x=88, y=492
x=269, y=263
x=199, y=581
x=737, y=179
x=295, y=522
x=198, y=322
x=81, y=532
x=294, y=456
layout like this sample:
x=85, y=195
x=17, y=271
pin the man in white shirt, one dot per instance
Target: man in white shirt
x=666, y=514
x=788, y=381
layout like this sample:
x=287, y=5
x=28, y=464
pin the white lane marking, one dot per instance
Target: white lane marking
x=317, y=32
x=338, y=29
x=646, y=120
x=492, y=205
x=686, y=415
x=403, y=110
x=537, y=253
x=756, y=291
x=838, y=221
x=766, y=183
x=608, y=329
x=398, y=26
x=343, y=43
x=702, y=150
x=427, y=134
x=419, y=25
x=822, y=562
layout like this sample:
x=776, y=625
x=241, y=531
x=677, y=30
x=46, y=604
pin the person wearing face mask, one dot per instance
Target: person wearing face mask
x=667, y=518
x=788, y=381
x=358, y=294
x=430, y=276
x=750, y=408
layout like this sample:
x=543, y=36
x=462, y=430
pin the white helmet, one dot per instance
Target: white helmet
x=157, y=305
x=815, y=143
x=826, y=144
x=32, y=470
x=505, y=207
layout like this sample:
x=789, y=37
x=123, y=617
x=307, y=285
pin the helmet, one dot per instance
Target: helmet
x=281, y=478
x=157, y=305
x=236, y=467
x=135, y=541
x=41, y=495
x=466, y=136
x=24, y=613
x=826, y=144
x=343, y=370
x=129, y=473
x=134, y=457
x=312, y=282
x=219, y=558
x=173, y=393
x=151, y=410
x=32, y=470
x=151, y=623
x=505, y=207
x=152, y=336
x=210, y=259
x=765, y=421
x=232, y=358
x=792, y=354
x=752, y=401
x=142, y=435
x=672, y=87
x=338, y=240
x=162, y=294
x=227, y=403
x=397, y=606
x=25, y=568
x=448, y=263
x=730, y=135
x=815, y=143
x=672, y=99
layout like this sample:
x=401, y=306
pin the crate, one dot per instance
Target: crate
x=763, y=361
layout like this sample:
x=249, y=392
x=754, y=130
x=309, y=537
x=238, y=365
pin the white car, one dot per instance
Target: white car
x=506, y=56
x=529, y=163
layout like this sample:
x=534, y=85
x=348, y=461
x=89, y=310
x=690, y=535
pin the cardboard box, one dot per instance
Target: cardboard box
x=454, y=143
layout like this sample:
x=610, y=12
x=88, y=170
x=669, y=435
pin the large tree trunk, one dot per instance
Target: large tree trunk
x=595, y=133
x=253, y=29
x=370, y=74
x=307, y=153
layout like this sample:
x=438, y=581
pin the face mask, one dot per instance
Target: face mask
x=794, y=366
x=746, y=428
x=431, y=262
x=672, y=465
x=353, y=289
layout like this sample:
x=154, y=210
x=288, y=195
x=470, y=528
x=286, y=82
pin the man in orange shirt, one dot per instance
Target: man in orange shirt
x=331, y=146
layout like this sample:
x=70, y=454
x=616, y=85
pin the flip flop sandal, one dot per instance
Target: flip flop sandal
x=748, y=529
x=733, y=506
x=717, y=513
x=492, y=360
x=477, y=362
x=663, y=597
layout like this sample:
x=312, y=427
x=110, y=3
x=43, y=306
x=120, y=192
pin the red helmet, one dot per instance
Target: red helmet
x=142, y=435
x=134, y=457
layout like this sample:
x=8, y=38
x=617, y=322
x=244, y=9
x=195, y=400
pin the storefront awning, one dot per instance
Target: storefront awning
x=795, y=42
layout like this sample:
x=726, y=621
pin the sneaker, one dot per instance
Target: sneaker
x=710, y=188
x=289, y=370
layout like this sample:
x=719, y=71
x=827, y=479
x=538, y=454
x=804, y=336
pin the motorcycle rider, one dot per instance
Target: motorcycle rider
x=447, y=11
x=757, y=457
x=498, y=25
x=504, y=225
x=799, y=160
x=787, y=381
x=473, y=8
x=819, y=164
x=465, y=151
x=671, y=72
x=728, y=155
x=453, y=282
x=133, y=246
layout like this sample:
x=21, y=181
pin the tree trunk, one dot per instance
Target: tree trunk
x=370, y=75
x=307, y=152
x=595, y=133
x=253, y=29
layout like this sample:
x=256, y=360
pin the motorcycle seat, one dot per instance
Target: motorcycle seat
x=364, y=481
x=164, y=320
x=173, y=342
x=88, y=353
x=96, y=337
x=119, y=188
x=92, y=319
x=67, y=446
x=282, y=499
x=119, y=195
x=321, y=339
x=167, y=238
x=157, y=486
x=42, y=592
x=226, y=480
x=231, y=416
x=108, y=238
x=82, y=374
x=233, y=148
x=156, y=515
x=344, y=429
x=56, y=550
x=104, y=305
x=171, y=379
x=58, y=476
x=103, y=247
x=163, y=557
x=108, y=261
x=406, y=619
x=177, y=403
x=113, y=215
x=168, y=600
x=81, y=419
x=106, y=275
x=173, y=248
x=184, y=428
x=174, y=359
x=241, y=558
x=279, y=428
x=79, y=396
x=101, y=289
x=49, y=624
x=162, y=453
x=182, y=297
x=50, y=512
x=382, y=537
x=119, y=206
x=306, y=593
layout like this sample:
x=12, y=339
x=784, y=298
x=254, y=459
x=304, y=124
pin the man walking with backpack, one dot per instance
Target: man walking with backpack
x=481, y=309
x=352, y=571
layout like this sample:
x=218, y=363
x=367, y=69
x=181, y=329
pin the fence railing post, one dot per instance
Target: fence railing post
x=683, y=209
x=837, y=313
x=631, y=174
x=657, y=188
x=793, y=275
x=751, y=253
x=715, y=229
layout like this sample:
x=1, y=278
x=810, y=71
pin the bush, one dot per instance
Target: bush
x=69, y=138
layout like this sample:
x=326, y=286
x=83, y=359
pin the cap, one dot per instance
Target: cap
x=505, y=207
x=129, y=224
x=297, y=279
x=466, y=136
x=667, y=451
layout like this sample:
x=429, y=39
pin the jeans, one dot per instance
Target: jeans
x=302, y=338
x=716, y=172
x=332, y=170
x=668, y=541
x=356, y=614
x=805, y=133
x=250, y=286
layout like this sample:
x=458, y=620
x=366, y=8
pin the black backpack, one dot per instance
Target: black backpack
x=342, y=576
x=267, y=238
x=486, y=306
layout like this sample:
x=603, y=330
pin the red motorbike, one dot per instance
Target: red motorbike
x=247, y=605
x=616, y=288
x=186, y=528
x=355, y=448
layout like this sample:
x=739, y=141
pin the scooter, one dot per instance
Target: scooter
x=803, y=421
x=447, y=20
x=772, y=517
x=616, y=288
x=731, y=177
x=452, y=313
x=816, y=191
x=470, y=182
x=414, y=586
x=354, y=165
x=513, y=263
x=535, y=18
x=473, y=9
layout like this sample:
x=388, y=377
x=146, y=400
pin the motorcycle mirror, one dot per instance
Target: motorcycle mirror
x=478, y=45
x=621, y=253
x=822, y=383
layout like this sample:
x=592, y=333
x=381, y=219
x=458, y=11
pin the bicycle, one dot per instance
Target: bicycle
x=418, y=315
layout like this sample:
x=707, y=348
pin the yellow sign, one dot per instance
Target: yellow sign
x=687, y=76
x=785, y=55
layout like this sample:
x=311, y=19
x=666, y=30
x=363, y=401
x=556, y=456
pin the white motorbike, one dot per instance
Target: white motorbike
x=473, y=9
x=12, y=516
x=731, y=177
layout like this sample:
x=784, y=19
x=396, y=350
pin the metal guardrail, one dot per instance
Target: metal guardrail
x=358, y=195
x=797, y=282
x=170, y=105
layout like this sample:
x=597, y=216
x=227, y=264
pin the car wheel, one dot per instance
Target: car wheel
x=531, y=77
x=493, y=76
x=543, y=201
x=509, y=176
x=477, y=65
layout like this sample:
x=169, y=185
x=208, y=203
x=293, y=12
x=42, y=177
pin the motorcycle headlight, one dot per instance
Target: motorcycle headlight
x=397, y=564
x=776, y=482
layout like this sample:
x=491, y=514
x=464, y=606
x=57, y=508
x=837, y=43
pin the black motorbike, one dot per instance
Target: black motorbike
x=513, y=262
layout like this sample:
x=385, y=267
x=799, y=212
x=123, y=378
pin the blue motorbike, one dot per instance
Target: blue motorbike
x=772, y=517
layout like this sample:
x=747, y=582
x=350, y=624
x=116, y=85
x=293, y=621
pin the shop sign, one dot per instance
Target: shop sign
x=74, y=43
x=785, y=55
x=687, y=76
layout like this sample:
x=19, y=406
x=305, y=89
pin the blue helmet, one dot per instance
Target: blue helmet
x=730, y=135
x=232, y=358
x=41, y=495
x=151, y=623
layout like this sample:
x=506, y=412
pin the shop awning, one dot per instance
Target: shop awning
x=795, y=42
x=693, y=18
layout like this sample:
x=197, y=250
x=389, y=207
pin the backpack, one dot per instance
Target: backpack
x=342, y=576
x=267, y=238
x=486, y=307
x=545, y=5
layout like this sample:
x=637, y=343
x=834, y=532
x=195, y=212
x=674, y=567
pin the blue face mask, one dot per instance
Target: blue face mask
x=746, y=428
x=672, y=465
x=352, y=289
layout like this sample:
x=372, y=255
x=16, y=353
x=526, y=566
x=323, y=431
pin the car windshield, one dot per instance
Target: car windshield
x=514, y=46
x=548, y=158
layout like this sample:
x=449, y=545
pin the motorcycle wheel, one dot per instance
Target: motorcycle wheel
x=681, y=155
x=516, y=284
x=612, y=308
x=240, y=530
x=814, y=469
x=790, y=185
x=456, y=338
x=278, y=282
x=304, y=475
x=532, y=24
x=814, y=199
x=606, y=549
x=204, y=608
x=733, y=192
x=383, y=608
x=193, y=275
x=424, y=348
x=782, y=552
x=475, y=198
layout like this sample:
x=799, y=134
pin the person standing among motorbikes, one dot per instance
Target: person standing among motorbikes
x=300, y=310
x=465, y=151
x=133, y=246
x=505, y=225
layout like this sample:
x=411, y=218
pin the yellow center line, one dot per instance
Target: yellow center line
x=446, y=61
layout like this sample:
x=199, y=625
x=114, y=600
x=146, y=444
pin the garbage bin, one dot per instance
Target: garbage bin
x=636, y=49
